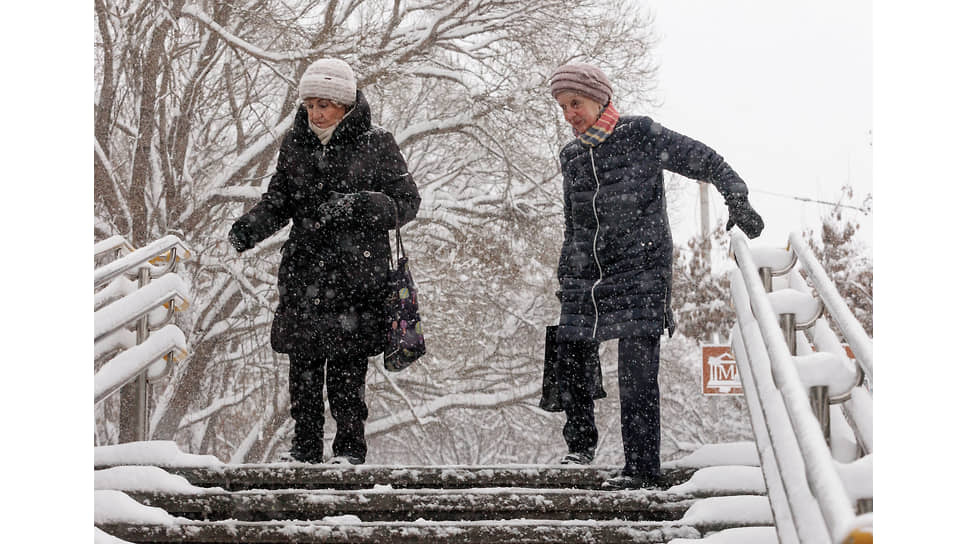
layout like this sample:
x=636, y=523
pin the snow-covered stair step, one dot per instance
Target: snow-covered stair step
x=346, y=529
x=738, y=535
x=384, y=504
x=723, y=453
x=310, y=476
x=722, y=481
x=716, y=490
x=720, y=513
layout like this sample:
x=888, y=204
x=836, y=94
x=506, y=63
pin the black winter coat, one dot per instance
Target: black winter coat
x=332, y=277
x=615, y=268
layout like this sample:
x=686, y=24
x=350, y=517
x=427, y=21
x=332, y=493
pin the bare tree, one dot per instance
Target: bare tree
x=192, y=99
x=700, y=296
x=845, y=259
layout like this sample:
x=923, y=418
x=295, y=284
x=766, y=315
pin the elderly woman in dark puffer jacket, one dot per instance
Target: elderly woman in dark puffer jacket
x=343, y=183
x=616, y=261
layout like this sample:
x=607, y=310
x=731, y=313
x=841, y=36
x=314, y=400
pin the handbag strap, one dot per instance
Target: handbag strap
x=401, y=252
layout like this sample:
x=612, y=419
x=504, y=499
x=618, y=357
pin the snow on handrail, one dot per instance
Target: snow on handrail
x=119, y=340
x=169, y=291
x=796, y=514
x=112, y=243
x=831, y=370
x=140, y=257
x=860, y=343
x=859, y=405
x=168, y=342
x=822, y=475
x=119, y=287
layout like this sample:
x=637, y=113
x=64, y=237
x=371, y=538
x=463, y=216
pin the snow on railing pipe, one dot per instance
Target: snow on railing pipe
x=797, y=516
x=850, y=327
x=821, y=473
x=119, y=340
x=165, y=346
x=168, y=291
x=858, y=407
x=116, y=244
x=117, y=288
x=170, y=248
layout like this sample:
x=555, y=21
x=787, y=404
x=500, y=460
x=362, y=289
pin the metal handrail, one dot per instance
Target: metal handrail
x=124, y=367
x=116, y=244
x=168, y=292
x=858, y=340
x=170, y=245
x=776, y=440
x=132, y=368
x=857, y=404
x=824, y=481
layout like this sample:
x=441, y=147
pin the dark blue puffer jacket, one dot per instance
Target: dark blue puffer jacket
x=615, y=268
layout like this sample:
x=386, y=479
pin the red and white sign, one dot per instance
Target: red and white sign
x=720, y=375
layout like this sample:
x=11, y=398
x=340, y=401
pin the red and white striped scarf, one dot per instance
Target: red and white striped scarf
x=602, y=128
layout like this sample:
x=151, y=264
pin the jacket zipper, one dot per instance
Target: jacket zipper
x=598, y=225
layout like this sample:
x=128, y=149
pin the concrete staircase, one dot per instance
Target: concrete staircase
x=303, y=503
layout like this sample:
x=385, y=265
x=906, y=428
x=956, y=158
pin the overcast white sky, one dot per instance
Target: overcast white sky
x=783, y=90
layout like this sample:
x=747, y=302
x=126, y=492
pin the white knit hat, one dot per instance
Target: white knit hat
x=331, y=79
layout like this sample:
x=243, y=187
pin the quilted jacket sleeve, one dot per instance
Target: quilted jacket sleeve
x=694, y=159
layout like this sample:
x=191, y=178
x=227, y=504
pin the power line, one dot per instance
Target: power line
x=866, y=209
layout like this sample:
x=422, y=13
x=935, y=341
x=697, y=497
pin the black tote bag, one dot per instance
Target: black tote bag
x=550, y=393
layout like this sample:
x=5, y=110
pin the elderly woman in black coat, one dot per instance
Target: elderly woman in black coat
x=616, y=261
x=343, y=184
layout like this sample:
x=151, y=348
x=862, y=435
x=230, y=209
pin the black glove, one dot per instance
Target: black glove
x=340, y=206
x=742, y=214
x=240, y=236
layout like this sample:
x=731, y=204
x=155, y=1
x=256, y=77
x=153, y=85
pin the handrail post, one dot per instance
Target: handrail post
x=133, y=424
x=788, y=324
x=820, y=402
x=766, y=276
x=819, y=395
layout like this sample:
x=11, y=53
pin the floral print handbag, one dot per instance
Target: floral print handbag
x=405, y=339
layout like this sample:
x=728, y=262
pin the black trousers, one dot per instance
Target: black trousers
x=638, y=385
x=344, y=378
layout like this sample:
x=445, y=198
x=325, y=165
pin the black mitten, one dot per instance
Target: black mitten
x=240, y=236
x=340, y=207
x=742, y=214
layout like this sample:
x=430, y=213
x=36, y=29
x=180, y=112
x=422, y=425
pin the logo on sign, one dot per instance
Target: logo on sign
x=720, y=376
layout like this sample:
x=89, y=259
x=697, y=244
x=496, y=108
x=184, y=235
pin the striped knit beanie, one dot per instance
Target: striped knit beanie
x=584, y=79
x=331, y=79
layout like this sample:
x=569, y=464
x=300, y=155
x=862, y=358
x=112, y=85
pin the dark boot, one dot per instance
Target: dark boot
x=632, y=481
x=345, y=460
x=579, y=458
